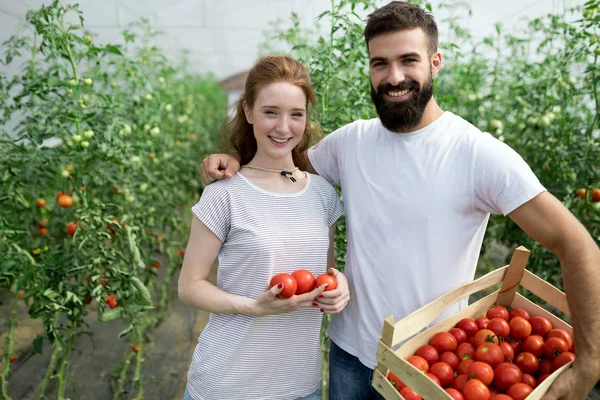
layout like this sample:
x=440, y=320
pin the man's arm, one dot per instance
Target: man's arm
x=546, y=220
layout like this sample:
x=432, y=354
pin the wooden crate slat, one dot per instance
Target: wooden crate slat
x=546, y=291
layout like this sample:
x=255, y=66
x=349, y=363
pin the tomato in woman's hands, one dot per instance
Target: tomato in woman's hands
x=562, y=359
x=528, y=363
x=305, y=280
x=289, y=284
x=519, y=391
x=554, y=346
x=326, y=279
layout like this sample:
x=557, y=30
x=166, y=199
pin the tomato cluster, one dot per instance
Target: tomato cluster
x=501, y=356
x=301, y=281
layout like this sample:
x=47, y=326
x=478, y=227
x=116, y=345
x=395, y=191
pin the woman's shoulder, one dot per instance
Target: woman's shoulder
x=320, y=183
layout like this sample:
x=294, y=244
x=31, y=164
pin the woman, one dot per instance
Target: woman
x=271, y=217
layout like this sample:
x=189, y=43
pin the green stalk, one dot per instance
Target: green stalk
x=62, y=374
x=55, y=354
x=138, y=366
x=123, y=374
x=73, y=68
x=324, y=103
x=9, y=350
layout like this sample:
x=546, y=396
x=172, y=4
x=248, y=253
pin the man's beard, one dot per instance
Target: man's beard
x=402, y=116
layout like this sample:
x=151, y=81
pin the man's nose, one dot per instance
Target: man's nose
x=396, y=75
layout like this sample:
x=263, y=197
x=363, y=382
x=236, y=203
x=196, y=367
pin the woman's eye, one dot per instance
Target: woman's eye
x=297, y=115
x=270, y=112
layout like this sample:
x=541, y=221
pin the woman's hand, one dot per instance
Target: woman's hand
x=334, y=301
x=269, y=304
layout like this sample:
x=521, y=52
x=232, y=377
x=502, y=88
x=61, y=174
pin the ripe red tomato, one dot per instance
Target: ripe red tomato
x=429, y=353
x=40, y=203
x=554, y=346
x=501, y=397
x=485, y=336
x=508, y=351
x=71, y=228
x=499, y=326
x=464, y=365
x=433, y=378
x=518, y=312
x=443, y=341
x=326, y=279
x=455, y=394
x=398, y=384
x=482, y=371
x=474, y=389
x=305, y=280
x=528, y=363
x=540, y=325
x=13, y=358
x=459, y=334
x=469, y=326
x=515, y=343
x=419, y=362
x=545, y=366
x=520, y=328
x=497, y=311
x=562, y=359
x=519, y=391
x=443, y=371
x=489, y=353
x=529, y=380
x=43, y=231
x=465, y=351
x=65, y=201
x=111, y=300
x=561, y=333
x=507, y=374
x=289, y=284
x=459, y=382
x=450, y=358
x=409, y=394
x=482, y=322
x=534, y=344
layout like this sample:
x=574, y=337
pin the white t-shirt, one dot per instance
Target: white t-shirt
x=272, y=357
x=417, y=206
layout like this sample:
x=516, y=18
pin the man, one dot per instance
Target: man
x=419, y=185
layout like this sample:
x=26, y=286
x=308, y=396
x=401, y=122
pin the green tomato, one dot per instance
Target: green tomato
x=88, y=81
x=76, y=138
x=85, y=144
x=88, y=134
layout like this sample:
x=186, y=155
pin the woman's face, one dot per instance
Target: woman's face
x=278, y=118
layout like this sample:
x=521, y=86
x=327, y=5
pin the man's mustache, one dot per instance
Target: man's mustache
x=386, y=87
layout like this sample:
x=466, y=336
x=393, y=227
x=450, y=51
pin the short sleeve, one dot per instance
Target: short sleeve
x=325, y=156
x=503, y=180
x=335, y=207
x=213, y=210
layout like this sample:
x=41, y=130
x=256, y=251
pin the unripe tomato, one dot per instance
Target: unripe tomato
x=289, y=284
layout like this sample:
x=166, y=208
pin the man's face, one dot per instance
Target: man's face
x=401, y=77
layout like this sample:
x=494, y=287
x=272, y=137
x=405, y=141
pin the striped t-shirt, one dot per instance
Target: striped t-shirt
x=263, y=234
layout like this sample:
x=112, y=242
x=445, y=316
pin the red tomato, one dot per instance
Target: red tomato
x=459, y=334
x=450, y=358
x=529, y=380
x=465, y=351
x=516, y=344
x=519, y=391
x=489, y=353
x=497, y=311
x=289, y=284
x=499, y=326
x=485, y=336
x=554, y=346
x=463, y=366
x=528, y=363
x=562, y=359
x=501, y=397
x=493, y=391
x=71, y=228
x=455, y=394
x=482, y=371
x=327, y=279
x=561, y=333
x=443, y=371
x=542, y=378
x=419, y=362
x=459, y=382
x=534, y=344
x=540, y=326
x=443, y=341
x=433, y=378
x=482, y=322
x=398, y=384
x=469, y=326
x=545, y=366
x=305, y=281
x=508, y=351
x=520, y=328
x=474, y=389
x=518, y=312
x=506, y=375
x=65, y=201
x=409, y=394
x=429, y=353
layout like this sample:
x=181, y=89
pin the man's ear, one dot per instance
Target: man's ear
x=436, y=63
x=247, y=112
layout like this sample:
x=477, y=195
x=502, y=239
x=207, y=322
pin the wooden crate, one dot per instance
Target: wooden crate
x=511, y=277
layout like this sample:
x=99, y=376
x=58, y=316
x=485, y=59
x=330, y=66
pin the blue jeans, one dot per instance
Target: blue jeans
x=315, y=396
x=349, y=379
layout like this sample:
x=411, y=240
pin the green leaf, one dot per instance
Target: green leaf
x=113, y=49
x=38, y=344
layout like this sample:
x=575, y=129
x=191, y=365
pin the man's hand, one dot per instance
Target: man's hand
x=573, y=384
x=218, y=166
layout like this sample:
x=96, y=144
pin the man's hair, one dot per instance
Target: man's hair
x=401, y=15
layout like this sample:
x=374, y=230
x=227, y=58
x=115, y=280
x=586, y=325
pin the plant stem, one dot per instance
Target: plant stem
x=328, y=74
x=53, y=359
x=138, y=366
x=9, y=350
x=62, y=374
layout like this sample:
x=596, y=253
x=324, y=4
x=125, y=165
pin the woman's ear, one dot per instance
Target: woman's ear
x=247, y=112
